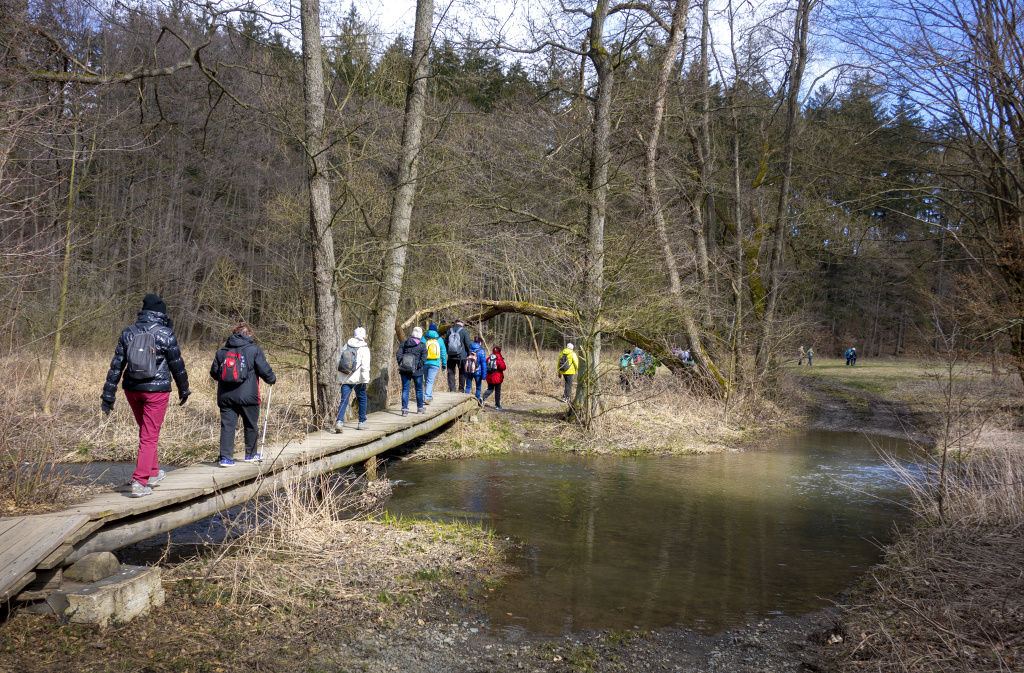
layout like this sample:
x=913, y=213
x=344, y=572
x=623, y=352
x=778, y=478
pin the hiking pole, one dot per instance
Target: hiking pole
x=266, y=419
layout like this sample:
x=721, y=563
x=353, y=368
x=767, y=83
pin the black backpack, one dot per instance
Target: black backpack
x=407, y=365
x=141, y=354
x=563, y=363
x=234, y=368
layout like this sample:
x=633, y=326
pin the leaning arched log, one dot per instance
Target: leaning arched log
x=708, y=373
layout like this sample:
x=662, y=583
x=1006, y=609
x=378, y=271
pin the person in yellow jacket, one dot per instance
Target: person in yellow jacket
x=568, y=363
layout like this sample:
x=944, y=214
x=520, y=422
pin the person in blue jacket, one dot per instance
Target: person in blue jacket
x=481, y=369
x=435, y=364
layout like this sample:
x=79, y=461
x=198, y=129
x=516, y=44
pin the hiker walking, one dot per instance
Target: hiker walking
x=147, y=354
x=457, y=343
x=810, y=357
x=237, y=368
x=475, y=368
x=437, y=358
x=353, y=375
x=412, y=354
x=625, y=363
x=568, y=363
x=803, y=354
x=848, y=356
x=853, y=357
x=495, y=376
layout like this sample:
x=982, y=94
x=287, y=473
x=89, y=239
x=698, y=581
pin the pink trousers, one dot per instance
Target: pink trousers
x=149, y=410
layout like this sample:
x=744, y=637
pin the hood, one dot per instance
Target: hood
x=147, y=316
x=477, y=347
x=411, y=342
x=356, y=343
x=431, y=334
x=238, y=340
x=566, y=351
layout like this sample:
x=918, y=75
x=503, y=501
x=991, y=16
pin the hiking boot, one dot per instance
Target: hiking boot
x=226, y=462
x=427, y=401
x=138, y=490
x=497, y=408
x=159, y=476
x=339, y=427
x=254, y=458
x=405, y=412
x=421, y=410
x=361, y=426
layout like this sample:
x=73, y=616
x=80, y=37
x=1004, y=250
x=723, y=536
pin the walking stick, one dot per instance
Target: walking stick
x=266, y=419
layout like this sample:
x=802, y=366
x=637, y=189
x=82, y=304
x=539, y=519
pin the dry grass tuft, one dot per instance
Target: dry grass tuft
x=312, y=546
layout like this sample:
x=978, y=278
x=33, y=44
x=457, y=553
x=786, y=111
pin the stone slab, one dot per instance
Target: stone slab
x=93, y=568
x=134, y=591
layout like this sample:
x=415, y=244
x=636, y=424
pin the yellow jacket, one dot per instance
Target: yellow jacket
x=574, y=361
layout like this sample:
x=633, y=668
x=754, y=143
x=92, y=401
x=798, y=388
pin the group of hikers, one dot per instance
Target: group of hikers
x=637, y=363
x=851, y=357
x=808, y=354
x=148, y=357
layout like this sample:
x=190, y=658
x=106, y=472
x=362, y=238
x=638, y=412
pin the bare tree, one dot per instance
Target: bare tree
x=383, y=337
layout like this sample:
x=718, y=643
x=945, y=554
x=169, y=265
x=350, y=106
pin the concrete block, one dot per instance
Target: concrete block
x=93, y=568
x=120, y=598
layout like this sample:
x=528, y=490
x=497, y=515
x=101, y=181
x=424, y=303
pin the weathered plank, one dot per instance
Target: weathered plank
x=30, y=540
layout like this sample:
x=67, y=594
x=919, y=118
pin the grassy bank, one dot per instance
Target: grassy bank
x=948, y=596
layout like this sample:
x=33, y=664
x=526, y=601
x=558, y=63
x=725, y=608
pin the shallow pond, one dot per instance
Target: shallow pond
x=704, y=542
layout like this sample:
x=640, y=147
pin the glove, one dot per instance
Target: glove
x=106, y=407
x=183, y=397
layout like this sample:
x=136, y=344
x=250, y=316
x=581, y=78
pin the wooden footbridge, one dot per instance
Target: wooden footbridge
x=34, y=549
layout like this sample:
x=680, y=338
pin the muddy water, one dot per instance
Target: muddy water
x=704, y=542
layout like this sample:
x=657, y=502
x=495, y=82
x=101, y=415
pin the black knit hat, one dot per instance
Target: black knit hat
x=153, y=302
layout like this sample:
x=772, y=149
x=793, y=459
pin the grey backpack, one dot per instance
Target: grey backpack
x=141, y=354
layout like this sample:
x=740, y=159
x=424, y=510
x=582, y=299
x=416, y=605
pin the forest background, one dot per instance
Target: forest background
x=734, y=179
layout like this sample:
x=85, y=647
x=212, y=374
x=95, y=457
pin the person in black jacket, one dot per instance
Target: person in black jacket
x=412, y=355
x=148, y=397
x=240, y=398
x=457, y=343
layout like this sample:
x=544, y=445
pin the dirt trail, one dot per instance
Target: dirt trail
x=843, y=408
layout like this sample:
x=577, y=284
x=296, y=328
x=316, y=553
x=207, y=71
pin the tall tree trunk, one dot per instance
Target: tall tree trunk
x=382, y=343
x=328, y=313
x=798, y=61
x=588, y=390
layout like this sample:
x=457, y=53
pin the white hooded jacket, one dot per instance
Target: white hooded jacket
x=362, y=372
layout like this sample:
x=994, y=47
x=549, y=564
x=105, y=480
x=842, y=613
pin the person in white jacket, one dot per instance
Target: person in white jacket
x=355, y=355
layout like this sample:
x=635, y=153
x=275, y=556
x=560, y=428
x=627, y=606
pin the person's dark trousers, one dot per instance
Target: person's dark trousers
x=250, y=414
x=568, y=385
x=346, y=391
x=853, y=361
x=495, y=389
x=624, y=381
x=406, y=380
x=455, y=373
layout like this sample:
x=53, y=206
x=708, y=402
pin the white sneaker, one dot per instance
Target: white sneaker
x=339, y=427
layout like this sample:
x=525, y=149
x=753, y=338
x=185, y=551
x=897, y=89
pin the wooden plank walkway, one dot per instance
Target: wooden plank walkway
x=111, y=520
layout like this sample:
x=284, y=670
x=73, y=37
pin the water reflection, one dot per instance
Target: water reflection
x=698, y=541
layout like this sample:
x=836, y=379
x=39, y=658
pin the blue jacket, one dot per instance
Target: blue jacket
x=443, y=360
x=481, y=359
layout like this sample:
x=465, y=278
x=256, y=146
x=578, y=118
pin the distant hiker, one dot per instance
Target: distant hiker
x=810, y=357
x=437, y=358
x=625, y=367
x=495, y=376
x=412, y=354
x=853, y=357
x=237, y=369
x=803, y=354
x=568, y=363
x=353, y=375
x=848, y=354
x=149, y=350
x=475, y=368
x=457, y=342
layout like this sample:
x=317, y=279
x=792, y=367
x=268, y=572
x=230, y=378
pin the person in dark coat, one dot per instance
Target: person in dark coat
x=148, y=397
x=412, y=355
x=236, y=399
x=457, y=343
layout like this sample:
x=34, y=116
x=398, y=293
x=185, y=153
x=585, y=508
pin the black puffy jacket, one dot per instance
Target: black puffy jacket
x=246, y=393
x=168, y=359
